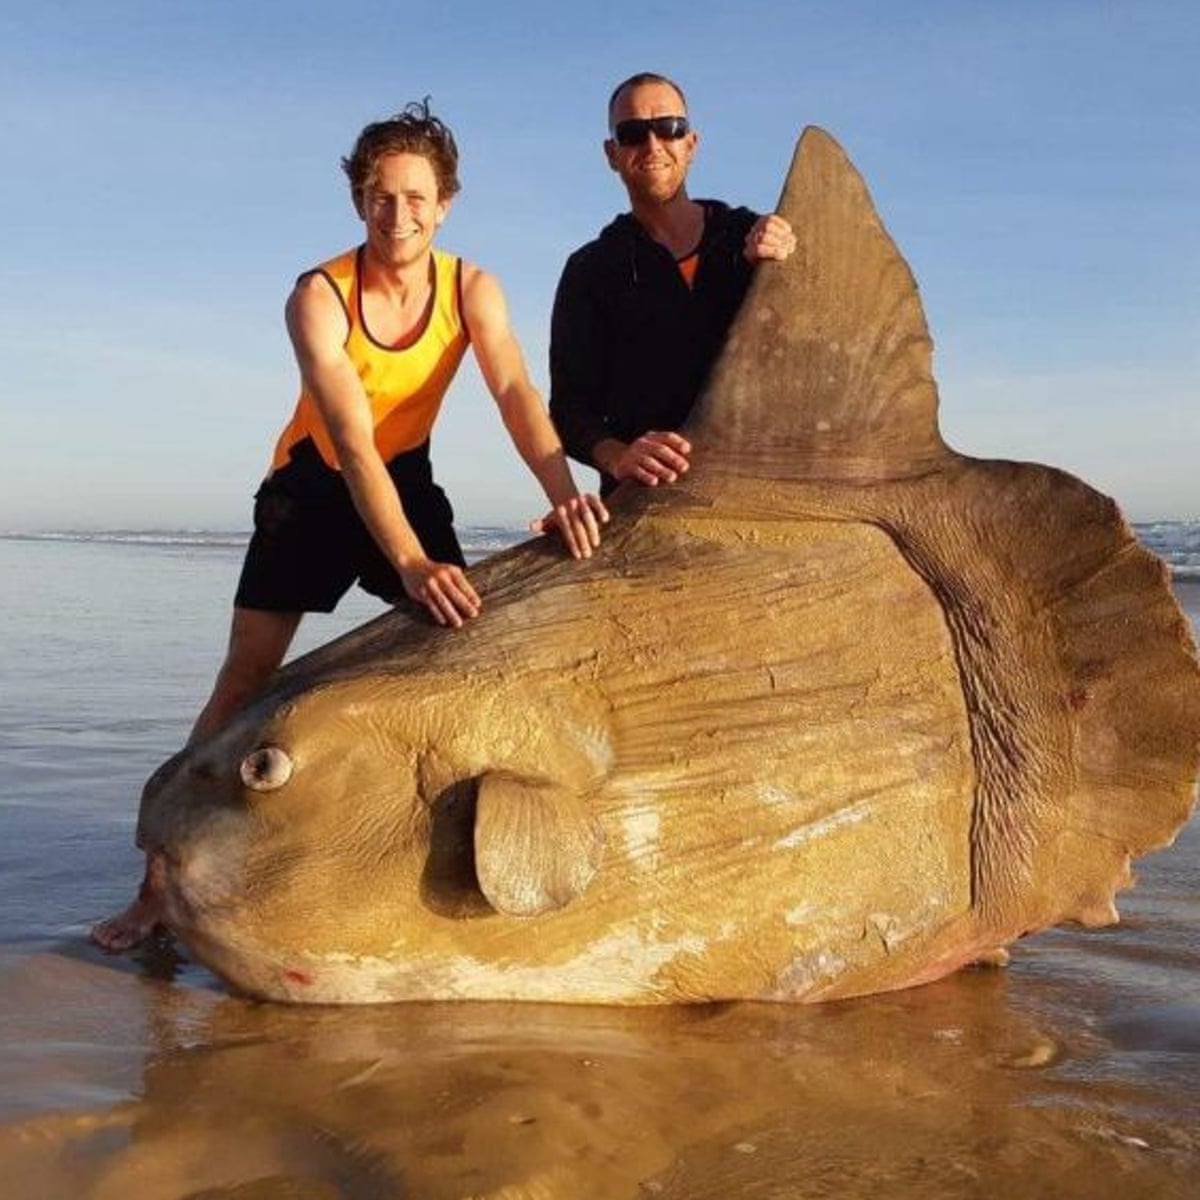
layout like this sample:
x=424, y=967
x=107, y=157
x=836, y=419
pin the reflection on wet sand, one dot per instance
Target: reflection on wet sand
x=956, y=1089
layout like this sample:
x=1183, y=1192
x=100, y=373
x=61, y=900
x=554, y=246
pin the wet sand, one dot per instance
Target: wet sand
x=989, y=1084
x=1073, y=1073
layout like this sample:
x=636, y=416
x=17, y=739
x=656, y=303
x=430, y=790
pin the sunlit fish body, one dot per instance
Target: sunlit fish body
x=840, y=712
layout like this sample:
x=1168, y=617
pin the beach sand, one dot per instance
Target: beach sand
x=988, y=1084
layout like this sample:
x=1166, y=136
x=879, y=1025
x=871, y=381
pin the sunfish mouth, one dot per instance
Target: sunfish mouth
x=197, y=886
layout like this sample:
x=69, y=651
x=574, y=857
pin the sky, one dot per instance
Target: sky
x=171, y=167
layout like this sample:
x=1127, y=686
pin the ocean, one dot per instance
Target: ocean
x=1074, y=1072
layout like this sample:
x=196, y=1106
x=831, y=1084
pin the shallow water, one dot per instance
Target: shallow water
x=1075, y=1072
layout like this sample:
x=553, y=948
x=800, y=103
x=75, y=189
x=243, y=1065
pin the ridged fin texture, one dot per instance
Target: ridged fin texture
x=827, y=369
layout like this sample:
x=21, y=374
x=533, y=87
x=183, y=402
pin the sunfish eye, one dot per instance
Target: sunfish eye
x=267, y=768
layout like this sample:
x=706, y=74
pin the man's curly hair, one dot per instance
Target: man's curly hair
x=414, y=130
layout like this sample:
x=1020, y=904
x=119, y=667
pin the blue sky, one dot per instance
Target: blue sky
x=170, y=168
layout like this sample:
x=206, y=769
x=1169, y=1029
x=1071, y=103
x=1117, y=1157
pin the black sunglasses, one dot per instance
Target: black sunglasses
x=637, y=131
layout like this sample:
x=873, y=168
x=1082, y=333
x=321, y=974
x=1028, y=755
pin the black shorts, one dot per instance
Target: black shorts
x=310, y=545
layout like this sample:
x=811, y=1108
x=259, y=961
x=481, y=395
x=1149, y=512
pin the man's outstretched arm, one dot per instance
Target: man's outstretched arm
x=577, y=517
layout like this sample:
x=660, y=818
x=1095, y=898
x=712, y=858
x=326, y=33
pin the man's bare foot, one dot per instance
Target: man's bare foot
x=133, y=925
x=130, y=927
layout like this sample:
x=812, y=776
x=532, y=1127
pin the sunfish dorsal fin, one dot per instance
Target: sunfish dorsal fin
x=827, y=368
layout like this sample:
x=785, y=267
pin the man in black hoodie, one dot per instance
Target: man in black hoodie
x=642, y=312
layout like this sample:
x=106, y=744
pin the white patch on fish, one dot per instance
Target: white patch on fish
x=641, y=830
x=771, y=796
x=806, y=973
x=850, y=815
x=611, y=970
x=594, y=742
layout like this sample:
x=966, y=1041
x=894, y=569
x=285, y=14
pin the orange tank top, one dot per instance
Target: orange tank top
x=405, y=386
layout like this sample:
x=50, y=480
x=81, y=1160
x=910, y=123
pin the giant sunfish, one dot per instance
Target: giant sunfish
x=840, y=712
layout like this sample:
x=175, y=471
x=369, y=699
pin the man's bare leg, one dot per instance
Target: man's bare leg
x=258, y=640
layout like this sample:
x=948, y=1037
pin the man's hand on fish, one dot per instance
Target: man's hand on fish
x=656, y=457
x=443, y=588
x=577, y=521
x=769, y=237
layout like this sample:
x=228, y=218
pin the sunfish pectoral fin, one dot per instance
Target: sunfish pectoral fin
x=536, y=844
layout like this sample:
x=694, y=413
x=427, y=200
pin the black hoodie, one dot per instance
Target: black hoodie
x=630, y=343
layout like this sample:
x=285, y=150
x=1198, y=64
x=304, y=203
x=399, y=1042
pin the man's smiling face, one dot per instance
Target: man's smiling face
x=655, y=170
x=401, y=208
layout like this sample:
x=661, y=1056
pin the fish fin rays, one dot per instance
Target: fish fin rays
x=536, y=844
x=1080, y=681
x=827, y=367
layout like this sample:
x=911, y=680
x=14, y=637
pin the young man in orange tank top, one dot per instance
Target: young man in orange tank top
x=334, y=509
